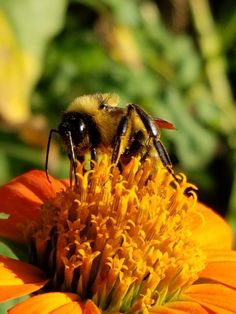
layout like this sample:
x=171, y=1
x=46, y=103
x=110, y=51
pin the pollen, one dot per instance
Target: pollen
x=120, y=238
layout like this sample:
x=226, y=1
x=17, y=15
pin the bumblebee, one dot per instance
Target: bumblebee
x=95, y=122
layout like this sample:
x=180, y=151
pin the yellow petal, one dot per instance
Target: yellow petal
x=181, y=307
x=72, y=308
x=17, y=72
x=18, y=278
x=213, y=232
x=216, y=298
x=44, y=303
x=221, y=267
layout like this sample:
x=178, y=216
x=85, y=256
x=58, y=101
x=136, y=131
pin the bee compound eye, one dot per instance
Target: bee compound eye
x=82, y=126
x=63, y=128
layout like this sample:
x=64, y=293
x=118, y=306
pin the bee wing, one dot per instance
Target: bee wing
x=163, y=124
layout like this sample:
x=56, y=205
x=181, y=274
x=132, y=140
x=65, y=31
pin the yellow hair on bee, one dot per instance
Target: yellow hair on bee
x=90, y=103
x=107, y=122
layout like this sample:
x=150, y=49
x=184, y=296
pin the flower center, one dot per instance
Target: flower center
x=120, y=239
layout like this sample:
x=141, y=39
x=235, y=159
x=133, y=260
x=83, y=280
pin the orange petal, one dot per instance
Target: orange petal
x=44, y=303
x=214, y=233
x=215, y=297
x=90, y=308
x=181, y=307
x=77, y=308
x=72, y=308
x=221, y=267
x=11, y=228
x=18, y=278
x=21, y=199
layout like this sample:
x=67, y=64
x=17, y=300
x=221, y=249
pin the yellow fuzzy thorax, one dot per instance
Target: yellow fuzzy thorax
x=122, y=239
x=90, y=103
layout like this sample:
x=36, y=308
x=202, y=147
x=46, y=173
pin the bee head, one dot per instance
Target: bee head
x=74, y=124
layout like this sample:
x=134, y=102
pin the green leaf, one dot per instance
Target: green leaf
x=12, y=249
x=4, y=166
x=4, y=216
x=34, y=22
x=6, y=251
x=195, y=145
x=5, y=306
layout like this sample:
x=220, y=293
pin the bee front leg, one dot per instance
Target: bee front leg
x=93, y=156
x=71, y=172
x=122, y=131
x=72, y=159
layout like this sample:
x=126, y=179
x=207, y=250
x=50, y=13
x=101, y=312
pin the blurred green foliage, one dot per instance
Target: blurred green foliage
x=176, y=59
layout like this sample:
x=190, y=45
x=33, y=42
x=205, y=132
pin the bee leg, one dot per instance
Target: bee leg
x=136, y=147
x=71, y=172
x=121, y=132
x=154, y=133
x=137, y=144
x=144, y=156
x=165, y=159
x=93, y=157
x=72, y=158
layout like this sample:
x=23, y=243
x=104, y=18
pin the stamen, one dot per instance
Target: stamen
x=120, y=239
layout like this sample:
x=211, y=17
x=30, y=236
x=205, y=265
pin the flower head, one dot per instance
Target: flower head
x=121, y=242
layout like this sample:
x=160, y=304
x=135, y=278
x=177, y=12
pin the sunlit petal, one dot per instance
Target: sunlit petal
x=181, y=307
x=44, y=303
x=221, y=267
x=90, y=308
x=72, y=308
x=217, y=298
x=213, y=232
x=18, y=278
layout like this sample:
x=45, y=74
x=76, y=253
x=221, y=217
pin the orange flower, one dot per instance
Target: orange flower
x=119, y=243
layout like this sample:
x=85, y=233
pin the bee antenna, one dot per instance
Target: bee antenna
x=47, y=152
